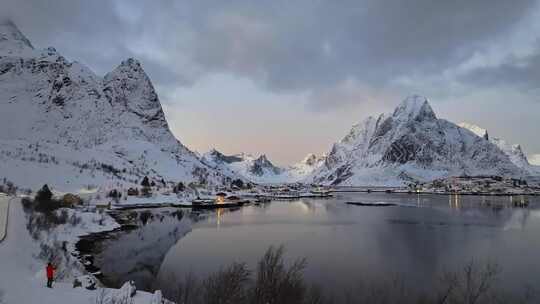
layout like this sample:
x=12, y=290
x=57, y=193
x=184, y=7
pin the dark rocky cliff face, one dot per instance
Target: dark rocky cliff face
x=222, y=158
x=128, y=86
x=262, y=163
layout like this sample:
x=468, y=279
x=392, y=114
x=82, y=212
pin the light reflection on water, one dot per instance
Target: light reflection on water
x=418, y=239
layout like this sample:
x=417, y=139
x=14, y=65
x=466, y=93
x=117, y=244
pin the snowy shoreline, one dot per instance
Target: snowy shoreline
x=162, y=227
x=438, y=192
x=25, y=282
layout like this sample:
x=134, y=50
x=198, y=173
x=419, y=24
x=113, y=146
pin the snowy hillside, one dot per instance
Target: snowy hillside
x=63, y=124
x=260, y=169
x=514, y=152
x=535, y=159
x=300, y=171
x=408, y=145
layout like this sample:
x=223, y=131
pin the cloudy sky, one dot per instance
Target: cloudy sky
x=287, y=78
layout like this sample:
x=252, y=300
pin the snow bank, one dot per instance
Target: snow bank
x=22, y=278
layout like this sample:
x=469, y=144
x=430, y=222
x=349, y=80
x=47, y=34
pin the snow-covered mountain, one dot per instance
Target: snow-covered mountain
x=535, y=159
x=256, y=169
x=61, y=123
x=261, y=169
x=514, y=151
x=300, y=171
x=410, y=144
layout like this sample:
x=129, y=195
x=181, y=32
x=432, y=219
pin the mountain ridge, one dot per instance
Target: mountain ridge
x=410, y=144
x=514, y=151
x=81, y=120
x=58, y=114
x=260, y=169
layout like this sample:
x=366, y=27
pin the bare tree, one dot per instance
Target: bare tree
x=384, y=291
x=277, y=283
x=227, y=286
x=101, y=297
x=183, y=291
x=473, y=285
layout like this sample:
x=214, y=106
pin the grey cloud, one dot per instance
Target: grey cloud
x=299, y=45
x=81, y=30
x=320, y=43
x=93, y=32
x=521, y=73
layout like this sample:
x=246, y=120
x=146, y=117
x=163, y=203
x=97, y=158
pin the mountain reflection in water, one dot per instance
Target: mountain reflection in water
x=420, y=237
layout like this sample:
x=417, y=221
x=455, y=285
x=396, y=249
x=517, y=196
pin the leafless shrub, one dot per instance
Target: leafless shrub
x=315, y=295
x=8, y=187
x=274, y=283
x=101, y=297
x=277, y=283
x=384, y=291
x=185, y=291
x=227, y=286
x=473, y=285
x=530, y=295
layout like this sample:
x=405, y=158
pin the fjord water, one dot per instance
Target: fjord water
x=417, y=240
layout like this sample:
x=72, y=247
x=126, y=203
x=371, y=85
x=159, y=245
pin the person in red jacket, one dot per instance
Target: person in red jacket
x=50, y=274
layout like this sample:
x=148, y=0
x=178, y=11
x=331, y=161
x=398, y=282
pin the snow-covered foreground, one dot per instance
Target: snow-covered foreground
x=22, y=276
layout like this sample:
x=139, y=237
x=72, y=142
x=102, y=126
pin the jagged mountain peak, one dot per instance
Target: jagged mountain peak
x=257, y=169
x=262, y=163
x=80, y=118
x=410, y=144
x=304, y=168
x=309, y=159
x=214, y=151
x=263, y=159
x=414, y=107
x=131, y=62
x=128, y=85
x=129, y=65
x=217, y=157
x=12, y=41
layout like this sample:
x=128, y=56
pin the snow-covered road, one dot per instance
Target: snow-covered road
x=4, y=209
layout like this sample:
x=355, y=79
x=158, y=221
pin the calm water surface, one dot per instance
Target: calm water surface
x=418, y=239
